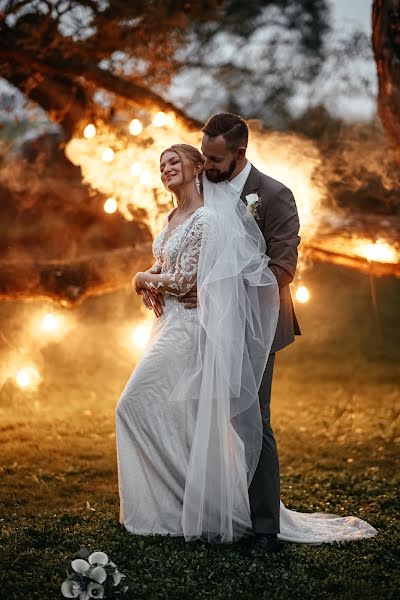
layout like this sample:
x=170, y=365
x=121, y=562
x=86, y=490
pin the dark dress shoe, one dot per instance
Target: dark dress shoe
x=265, y=542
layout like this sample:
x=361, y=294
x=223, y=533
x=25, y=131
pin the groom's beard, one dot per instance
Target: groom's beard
x=218, y=176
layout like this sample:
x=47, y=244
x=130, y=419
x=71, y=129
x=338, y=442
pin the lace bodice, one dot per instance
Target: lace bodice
x=177, y=253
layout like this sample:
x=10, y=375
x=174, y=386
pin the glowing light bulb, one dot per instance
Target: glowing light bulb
x=27, y=377
x=136, y=169
x=49, y=323
x=90, y=131
x=146, y=178
x=160, y=119
x=302, y=294
x=110, y=206
x=135, y=127
x=108, y=154
x=141, y=334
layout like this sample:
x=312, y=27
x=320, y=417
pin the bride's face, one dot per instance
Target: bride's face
x=175, y=171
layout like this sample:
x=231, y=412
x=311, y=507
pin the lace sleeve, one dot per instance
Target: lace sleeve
x=154, y=269
x=184, y=277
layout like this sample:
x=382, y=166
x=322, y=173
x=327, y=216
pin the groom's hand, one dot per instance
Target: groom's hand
x=153, y=301
x=189, y=300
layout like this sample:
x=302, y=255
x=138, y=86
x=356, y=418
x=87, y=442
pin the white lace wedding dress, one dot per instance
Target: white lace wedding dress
x=154, y=432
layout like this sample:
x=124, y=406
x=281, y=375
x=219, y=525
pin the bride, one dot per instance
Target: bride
x=188, y=422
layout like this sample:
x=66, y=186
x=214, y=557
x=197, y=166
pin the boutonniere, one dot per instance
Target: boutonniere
x=253, y=203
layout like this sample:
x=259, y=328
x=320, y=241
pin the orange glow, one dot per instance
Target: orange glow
x=49, y=323
x=110, y=206
x=27, y=377
x=129, y=172
x=141, y=334
x=136, y=169
x=146, y=178
x=379, y=251
x=285, y=157
x=302, y=294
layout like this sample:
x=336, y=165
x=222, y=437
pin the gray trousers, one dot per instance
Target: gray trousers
x=264, y=490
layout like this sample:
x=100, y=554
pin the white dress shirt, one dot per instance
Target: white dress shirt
x=240, y=179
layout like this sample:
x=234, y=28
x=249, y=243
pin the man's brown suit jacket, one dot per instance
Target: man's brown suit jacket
x=279, y=223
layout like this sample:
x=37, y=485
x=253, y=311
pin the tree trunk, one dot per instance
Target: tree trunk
x=386, y=46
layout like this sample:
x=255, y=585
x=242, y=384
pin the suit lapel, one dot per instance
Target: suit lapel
x=252, y=183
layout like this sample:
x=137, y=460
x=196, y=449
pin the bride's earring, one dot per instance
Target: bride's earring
x=197, y=183
x=172, y=199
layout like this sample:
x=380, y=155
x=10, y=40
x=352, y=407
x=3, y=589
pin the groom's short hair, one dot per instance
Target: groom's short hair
x=232, y=128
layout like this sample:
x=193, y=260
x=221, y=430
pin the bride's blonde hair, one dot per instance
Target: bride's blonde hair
x=190, y=152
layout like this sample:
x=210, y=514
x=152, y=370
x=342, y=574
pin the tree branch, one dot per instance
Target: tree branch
x=100, y=78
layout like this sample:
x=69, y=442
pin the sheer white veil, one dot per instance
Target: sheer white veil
x=238, y=306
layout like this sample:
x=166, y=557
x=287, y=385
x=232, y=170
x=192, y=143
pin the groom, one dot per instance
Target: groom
x=224, y=149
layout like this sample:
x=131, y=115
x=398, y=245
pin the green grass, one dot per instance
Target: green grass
x=335, y=415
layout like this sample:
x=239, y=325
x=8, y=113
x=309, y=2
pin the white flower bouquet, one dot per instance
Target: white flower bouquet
x=96, y=577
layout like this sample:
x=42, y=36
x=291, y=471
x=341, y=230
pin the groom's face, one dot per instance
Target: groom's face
x=219, y=162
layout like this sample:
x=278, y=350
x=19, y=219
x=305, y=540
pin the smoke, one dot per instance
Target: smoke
x=296, y=162
x=357, y=163
x=132, y=176
x=57, y=240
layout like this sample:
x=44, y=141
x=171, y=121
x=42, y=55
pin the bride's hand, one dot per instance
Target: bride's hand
x=138, y=283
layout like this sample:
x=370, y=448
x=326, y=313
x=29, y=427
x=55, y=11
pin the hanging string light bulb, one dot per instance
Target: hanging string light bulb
x=160, y=119
x=135, y=127
x=110, y=206
x=108, y=155
x=90, y=131
x=302, y=294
